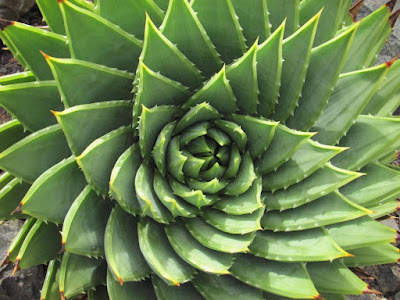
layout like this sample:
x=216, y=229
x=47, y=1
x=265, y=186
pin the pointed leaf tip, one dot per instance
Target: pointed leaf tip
x=355, y=9
x=393, y=18
x=5, y=23
x=319, y=297
x=369, y=291
x=390, y=63
x=46, y=56
x=391, y=4
x=18, y=210
x=62, y=292
x=60, y=1
x=6, y=260
x=16, y=267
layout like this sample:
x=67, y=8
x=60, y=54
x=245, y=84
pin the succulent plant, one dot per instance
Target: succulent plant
x=224, y=149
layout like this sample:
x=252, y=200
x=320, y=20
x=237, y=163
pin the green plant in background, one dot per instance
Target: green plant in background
x=252, y=162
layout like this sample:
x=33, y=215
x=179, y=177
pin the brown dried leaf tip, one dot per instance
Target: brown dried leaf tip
x=393, y=18
x=391, y=4
x=355, y=9
x=5, y=23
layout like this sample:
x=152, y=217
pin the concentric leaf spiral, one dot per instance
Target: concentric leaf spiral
x=201, y=149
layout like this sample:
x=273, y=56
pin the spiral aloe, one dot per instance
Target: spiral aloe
x=222, y=149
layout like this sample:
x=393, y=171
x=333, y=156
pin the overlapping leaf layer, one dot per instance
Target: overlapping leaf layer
x=222, y=149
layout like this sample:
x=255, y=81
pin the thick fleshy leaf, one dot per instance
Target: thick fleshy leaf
x=326, y=62
x=335, y=277
x=193, y=41
x=366, y=139
x=110, y=146
x=242, y=76
x=33, y=155
x=217, y=240
x=215, y=287
x=194, y=253
x=199, y=113
x=160, y=55
x=122, y=187
x=52, y=194
x=327, y=179
x=101, y=83
x=85, y=223
x=149, y=203
x=375, y=255
x=279, y=11
x=235, y=132
x=81, y=125
x=362, y=232
x=259, y=132
x=211, y=187
x=305, y=161
x=269, y=70
x=26, y=42
x=52, y=15
x=92, y=272
x=296, y=54
x=330, y=209
x=122, y=250
x=21, y=77
x=385, y=208
x=119, y=49
x=167, y=292
x=140, y=289
x=41, y=245
x=194, y=197
x=338, y=116
x=217, y=92
x=10, y=133
x=50, y=286
x=161, y=146
x=286, y=279
x=160, y=255
x=221, y=23
x=284, y=144
x=133, y=17
x=23, y=98
x=306, y=245
x=244, y=178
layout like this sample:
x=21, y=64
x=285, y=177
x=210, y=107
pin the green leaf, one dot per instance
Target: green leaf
x=307, y=245
x=160, y=55
x=176, y=160
x=366, y=139
x=98, y=293
x=92, y=272
x=10, y=133
x=385, y=208
x=326, y=62
x=50, y=286
x=197, y=130
x=279, y=11
x=101, y=83
x=21, y=77
x=52, y=15
x=269, y=71
x=41, y=245
x=218, y=240
x=259, y=132
x=193, y=41
x=152, y=121
x=22, y=98
x=286, y=279
x=199, y=113
x=34, y=154
x=221, y=23
x=242, y=76
x=330, y=209
x=122, y=250
x=166, y=292
x=217, y=92
x=148, y=200
x=362, y=232
x=245, y=203
x=140, y=289
x=195, y=197
x=335, y=277
x=253, y=18
x=244, y=178
x=85, y=223
x=163, y=4
x=160, y=255
x=305, y=161
x=209, y=187
x=327, y=179
x=26, y=42
x=234, y=224
x=133, y=17
x=161, y=147
x=375, y=255
x=338, y=116
x=235, y=132
x=366, y=36
x=81, y=125
x=284, y=144
x=296, y=54
x=194, y=253
x=122, y=187
x=110, y=146
x=215, y=287
x=119, y=49
x=52, y=194
x=173, y=203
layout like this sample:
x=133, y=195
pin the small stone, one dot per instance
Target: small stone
x=387, y=277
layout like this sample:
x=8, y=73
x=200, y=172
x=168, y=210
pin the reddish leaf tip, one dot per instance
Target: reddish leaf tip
x=46, y=56
x=355, y=9
x=6, y=260
x=319, y=297
x=390, y=63
x=393, y=18
x=121, y=282
x=60, y=1
x=391, y=4
x=369, y=291
x=16, y=267
x=62, y=295
x=18, y=210
x=5, y=23
x=62, y=248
